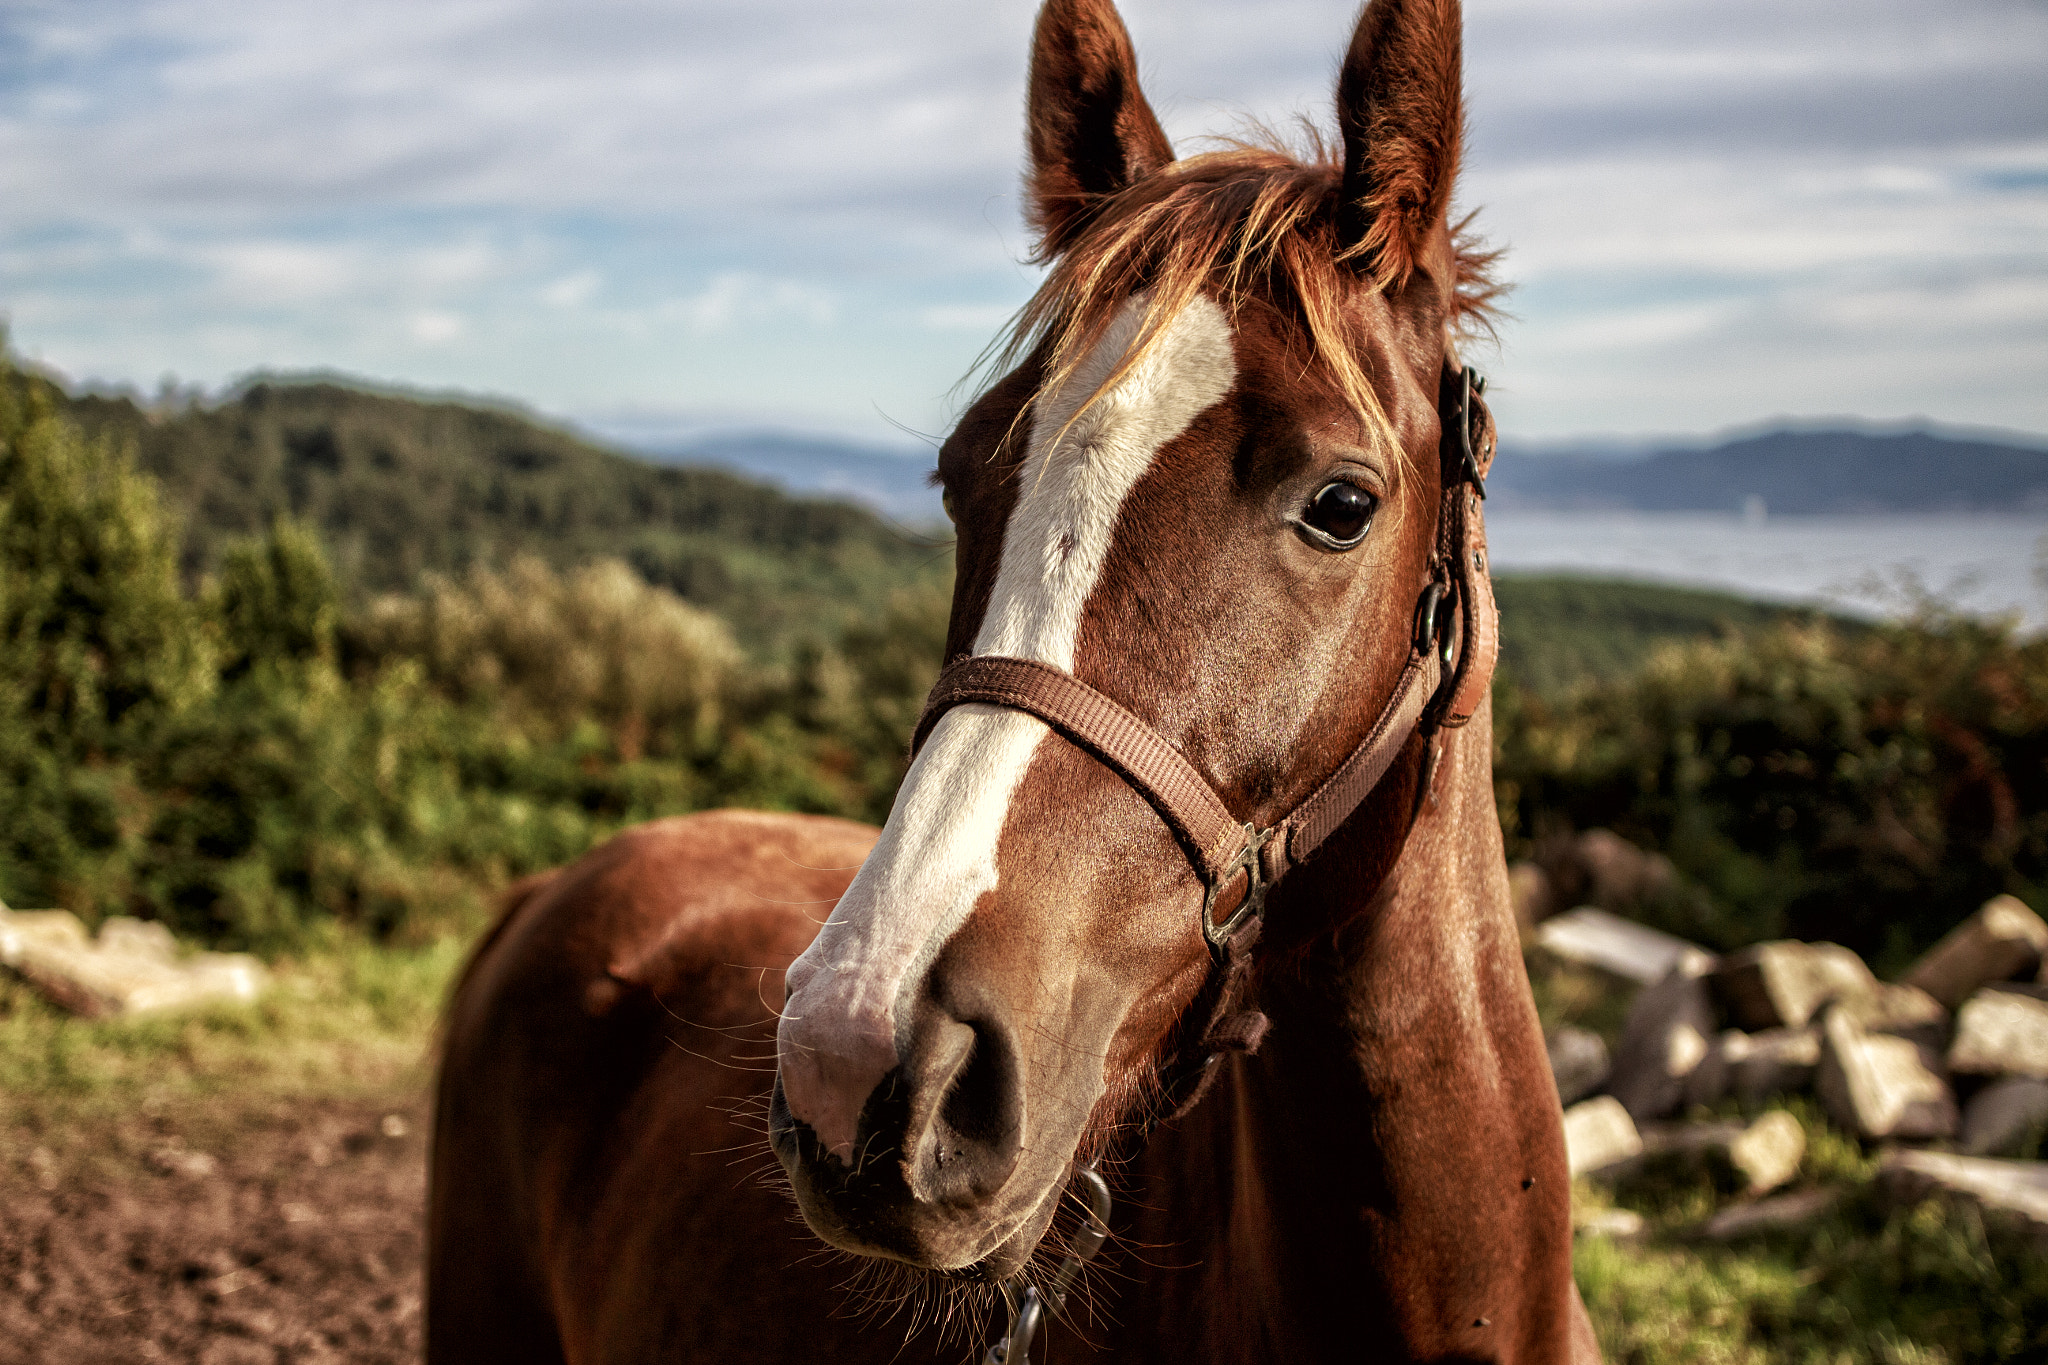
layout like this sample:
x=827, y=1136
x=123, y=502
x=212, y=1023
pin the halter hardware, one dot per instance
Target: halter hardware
x=1027, y=1308
x=1247, y=860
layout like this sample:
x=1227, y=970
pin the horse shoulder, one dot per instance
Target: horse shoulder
x=621, y=1013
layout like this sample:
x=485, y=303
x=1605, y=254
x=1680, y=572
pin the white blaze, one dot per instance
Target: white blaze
x=936, y=858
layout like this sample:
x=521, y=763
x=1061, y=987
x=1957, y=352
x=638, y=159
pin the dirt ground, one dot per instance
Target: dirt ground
x=291, y=1234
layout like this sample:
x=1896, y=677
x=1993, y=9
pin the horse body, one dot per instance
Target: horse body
x=1208, y=499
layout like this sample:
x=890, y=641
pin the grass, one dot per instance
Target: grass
x=1858, y=1285
x=350, y=1020
x=1862, y=1284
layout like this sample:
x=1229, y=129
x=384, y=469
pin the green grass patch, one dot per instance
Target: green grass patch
x=1858, y=1285
x=353, y=1018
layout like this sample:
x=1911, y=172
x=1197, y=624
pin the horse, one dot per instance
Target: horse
x=1188, y=931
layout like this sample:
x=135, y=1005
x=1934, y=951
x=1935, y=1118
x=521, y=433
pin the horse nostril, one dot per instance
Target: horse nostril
x=971, y=1142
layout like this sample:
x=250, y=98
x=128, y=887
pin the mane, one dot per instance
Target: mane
x=1252, y=220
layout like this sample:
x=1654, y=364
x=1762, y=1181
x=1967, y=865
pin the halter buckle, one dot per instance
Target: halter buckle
x=1466, y=462
x=1245, y=860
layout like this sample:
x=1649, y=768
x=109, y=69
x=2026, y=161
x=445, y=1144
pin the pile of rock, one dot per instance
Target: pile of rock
x=132, y=967
x=1954, y=1053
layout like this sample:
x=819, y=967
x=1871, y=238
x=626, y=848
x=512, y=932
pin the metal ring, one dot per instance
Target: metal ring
x=1246, y=860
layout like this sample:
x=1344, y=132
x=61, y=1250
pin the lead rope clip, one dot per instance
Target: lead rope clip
x=1027, y=1308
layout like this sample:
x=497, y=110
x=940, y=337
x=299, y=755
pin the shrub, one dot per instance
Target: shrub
x=1869, y=789
x=550, y=649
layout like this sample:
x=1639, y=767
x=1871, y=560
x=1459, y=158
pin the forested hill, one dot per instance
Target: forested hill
x=1841, y=472
x=399, y=486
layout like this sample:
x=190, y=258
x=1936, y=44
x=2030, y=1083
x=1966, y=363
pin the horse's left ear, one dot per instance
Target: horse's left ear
x=1092, y=133
x=1401, y=109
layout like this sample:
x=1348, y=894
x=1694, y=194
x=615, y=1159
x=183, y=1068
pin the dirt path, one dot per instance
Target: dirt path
x=291, y=1234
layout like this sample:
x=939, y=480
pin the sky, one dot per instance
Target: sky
x=657, y=216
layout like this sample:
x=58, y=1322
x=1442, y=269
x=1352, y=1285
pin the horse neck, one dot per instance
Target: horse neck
x=1363, y=1176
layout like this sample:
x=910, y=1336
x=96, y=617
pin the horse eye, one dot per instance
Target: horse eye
x=946, y=502
x=1339, y=515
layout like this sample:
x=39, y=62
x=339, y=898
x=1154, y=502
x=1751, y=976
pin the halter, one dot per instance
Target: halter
x=1451, y=656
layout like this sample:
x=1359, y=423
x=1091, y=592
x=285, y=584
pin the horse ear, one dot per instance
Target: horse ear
x=1401, y=111
x=1092, y=133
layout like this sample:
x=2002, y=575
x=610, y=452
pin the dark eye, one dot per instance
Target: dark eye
x=1339, y=515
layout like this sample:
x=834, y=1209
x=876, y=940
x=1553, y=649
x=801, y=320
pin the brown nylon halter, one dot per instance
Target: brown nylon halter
x=1435, y=690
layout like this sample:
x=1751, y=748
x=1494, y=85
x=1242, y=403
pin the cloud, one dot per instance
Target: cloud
x=820, y=188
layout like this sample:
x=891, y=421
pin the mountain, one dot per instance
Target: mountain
x=896, y=483
x=1796, y=472
x=401, y=485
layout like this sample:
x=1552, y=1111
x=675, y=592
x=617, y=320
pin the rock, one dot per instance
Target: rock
x=1779, y=1061
x=1620, y=876
x=1578, y=1062
x=2013, y=1194
x=2003, y=1115
x=1902, y=1011
x=1617, y=1223
x=1784, y=983
x=1879, y=1086
x=131, y=969
x=2001, y=1033
x=1769, y=1151
x=1714, y=1077
x=1599, y=1133
x=1530, y=893
x=1751, y=1158
x=1764, y=1215
x=1636, y=953
x=1663, y=1040
x=1754, y=1066
x=2004, y=939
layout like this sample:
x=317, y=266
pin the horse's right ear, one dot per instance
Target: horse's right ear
x=1400, y=107
x=1092, y=133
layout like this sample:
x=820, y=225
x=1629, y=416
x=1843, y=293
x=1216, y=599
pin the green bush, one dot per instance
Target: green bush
x=258, y=766
x=1869, y=788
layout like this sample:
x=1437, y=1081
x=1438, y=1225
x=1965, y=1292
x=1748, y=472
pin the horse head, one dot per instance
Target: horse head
x=1210, y=490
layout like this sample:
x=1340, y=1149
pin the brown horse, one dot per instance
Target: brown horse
x=1200, y=776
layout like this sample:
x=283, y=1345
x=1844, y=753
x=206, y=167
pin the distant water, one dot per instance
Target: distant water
x=1870, y=565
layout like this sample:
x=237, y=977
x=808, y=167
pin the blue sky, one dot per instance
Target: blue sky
x=655, y=217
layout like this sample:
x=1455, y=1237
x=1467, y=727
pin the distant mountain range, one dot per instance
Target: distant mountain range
x=894, y=482
x=1791, y=472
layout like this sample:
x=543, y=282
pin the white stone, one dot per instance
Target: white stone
x=1662, y=1042
x=1784, y=983
x=1591, y=937
x=2001, y=1033
x=1598, y=1133
x=133, y=968
x=1776, y=1062
x=1617, y=1223
x=2003, y=940
x=1769, y=1151
x=2009, y=1193
x=2002, y=1115
x=1714, y=1077
x=1578, y=1063
x=1759, y=1156
x=1880, y=1086
x=1763, y=1215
